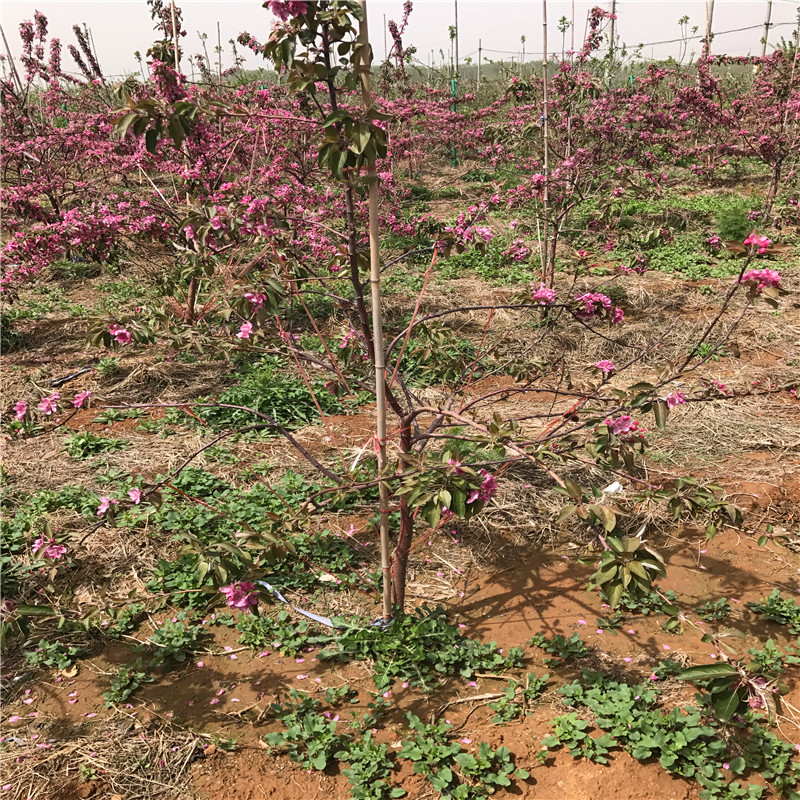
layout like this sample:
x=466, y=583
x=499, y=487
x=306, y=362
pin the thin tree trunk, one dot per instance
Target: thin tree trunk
x=364, y=60
x=546, y=276
x=406, y=535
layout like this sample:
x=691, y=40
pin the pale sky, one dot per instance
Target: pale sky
x=119, y=27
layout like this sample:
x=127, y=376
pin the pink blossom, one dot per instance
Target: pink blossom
x=241, y=595
x=48, y=548
x=288, y=8
x=676, y=398
x=621, y=424
x=617, y=316
x=81, y=398
x=714, y=242
x=763, y=277
x=256, y=298
x=761, y=242
x=543, y=295
x=20, y=409
x=605, y=366
x=135, y=495
x=49, y=405
x=105, y=504
x=349, y=337
x=593, y=304
x=487, y=488
x=245, y=331
x=121, y=335
x=456, y=465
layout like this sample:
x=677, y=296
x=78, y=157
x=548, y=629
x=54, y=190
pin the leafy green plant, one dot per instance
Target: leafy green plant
x=777, y=609
x=369, y=770
x=174, y=641
x=309, y=738
x=53, y=655
x=420, y=648
x=125, y=683
x=124, y=620
x=732, y=220
x=572, y=733
x=266, y=387
x=111, y=415
x=627, y=567
x=707, y=350
x=108, y=366
x=282, y=632
x=655, y=601
x=687, y=498
x=682, y=740
x=714, y=610
x=432, y=752
x=451, y=771
x=563, y=649
x=486, y=771
x=770, y=660
x=86, y=445
x=516, y=698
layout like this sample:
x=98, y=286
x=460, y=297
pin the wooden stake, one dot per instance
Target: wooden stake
x=175, y=36
x=766, y=29
x=709, y=21
x=219, y=54
x=11, y=64
x=377, y=323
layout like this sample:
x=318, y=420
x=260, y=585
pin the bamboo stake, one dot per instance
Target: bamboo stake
x=175, y=35
x=364, y=59
x=766, y=28
x=219, y=55
x=709, y=20
x=14, y=72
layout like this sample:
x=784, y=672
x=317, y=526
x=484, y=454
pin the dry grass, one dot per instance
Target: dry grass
x=118, y=756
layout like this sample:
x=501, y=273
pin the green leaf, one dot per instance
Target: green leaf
x=573, y=490
x=565, y=513
x=726, y=704
x=706, y=672
x=361, y=137
x=150, y=140
x=614, y=594
x=661, y=411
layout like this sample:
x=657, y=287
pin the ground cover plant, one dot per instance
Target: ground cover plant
x=331, y=390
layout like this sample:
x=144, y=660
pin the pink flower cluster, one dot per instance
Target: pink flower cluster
x=518, y=251
x=256, y=299
x=624, y=426
x=605, y=366
x=675, y=398
x=82, y=398
x=487, y=489
x=49, y=405
x=349, y=337
x=242, y=595
x=121, y=335
x=764, y=277
x=283, y=9
x=543, y=295
x=245, y=331
x=48, y=548
x=760, y=242
x=105, y=505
